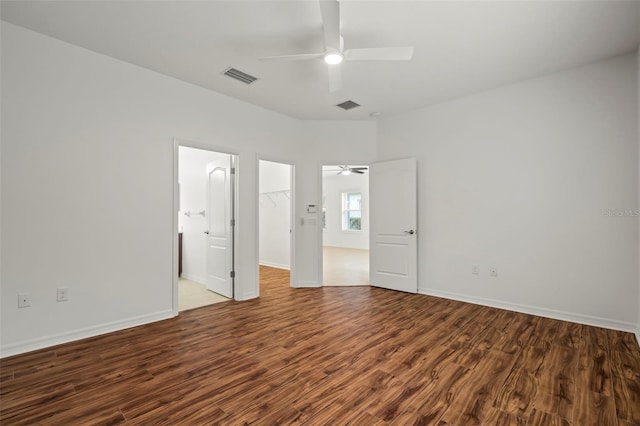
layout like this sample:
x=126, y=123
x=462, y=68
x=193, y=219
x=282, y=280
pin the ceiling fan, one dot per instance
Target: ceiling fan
x=346, y=170
x=334, y=52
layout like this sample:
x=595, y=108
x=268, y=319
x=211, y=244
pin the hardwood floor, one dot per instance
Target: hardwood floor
x=333, y=355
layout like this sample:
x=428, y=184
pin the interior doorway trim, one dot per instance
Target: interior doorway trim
x=175, y=205
x=322, y=163
x=292, y=216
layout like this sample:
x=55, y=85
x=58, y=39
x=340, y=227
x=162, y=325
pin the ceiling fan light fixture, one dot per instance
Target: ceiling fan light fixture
x=333, y=58
x=345, y=172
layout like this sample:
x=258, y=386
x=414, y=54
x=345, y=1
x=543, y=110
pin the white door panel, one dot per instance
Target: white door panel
x=392, y=259
x=393, y=212
x=219, y=235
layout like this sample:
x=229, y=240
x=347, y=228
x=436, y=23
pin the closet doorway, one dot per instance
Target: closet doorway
x=275, y=183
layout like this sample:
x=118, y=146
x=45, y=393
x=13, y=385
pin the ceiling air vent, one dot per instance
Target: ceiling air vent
x=347, y=105
x=239, y=75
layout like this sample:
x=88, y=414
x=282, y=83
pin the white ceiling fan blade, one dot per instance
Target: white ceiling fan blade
x=379, y=54
x=330, y=10
x=291, y=58
x=335, y=78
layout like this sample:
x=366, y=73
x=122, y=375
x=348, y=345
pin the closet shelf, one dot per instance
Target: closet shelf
x=271, y=195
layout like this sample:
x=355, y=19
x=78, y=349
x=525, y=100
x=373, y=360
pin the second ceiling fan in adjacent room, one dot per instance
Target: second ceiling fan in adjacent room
x=347, y=170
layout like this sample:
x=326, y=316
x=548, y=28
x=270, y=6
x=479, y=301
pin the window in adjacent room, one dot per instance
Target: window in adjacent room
x=351, y=211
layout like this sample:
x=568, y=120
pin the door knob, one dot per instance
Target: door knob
x=206, y=232
x=410, y=232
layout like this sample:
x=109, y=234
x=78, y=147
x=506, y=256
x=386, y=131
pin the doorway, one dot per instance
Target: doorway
x=345, y=225
x=206, y=186
x=275, y=256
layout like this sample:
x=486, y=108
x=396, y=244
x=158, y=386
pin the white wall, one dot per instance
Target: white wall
x=192, y=176
x=521, y=178
x=275, y=214
x=333, y=187
x=638, y=126
x=87, y=185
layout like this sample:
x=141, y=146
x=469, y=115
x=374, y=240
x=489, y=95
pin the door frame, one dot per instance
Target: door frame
x=292, y=215
x=175, y=205
x=319, y=204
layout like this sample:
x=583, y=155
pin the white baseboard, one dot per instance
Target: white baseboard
x=247, y=296
x=307, y=284
x=275, y=265
x=194, y=278
x=82, y=333
x=533, y=310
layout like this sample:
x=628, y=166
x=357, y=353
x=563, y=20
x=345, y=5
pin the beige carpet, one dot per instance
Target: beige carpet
x=344, y=266
x=193, y=295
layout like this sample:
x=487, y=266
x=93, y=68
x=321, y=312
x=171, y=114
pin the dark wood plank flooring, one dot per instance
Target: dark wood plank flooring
x=332, y=356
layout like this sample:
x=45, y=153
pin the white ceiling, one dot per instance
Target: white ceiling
x=460, y=47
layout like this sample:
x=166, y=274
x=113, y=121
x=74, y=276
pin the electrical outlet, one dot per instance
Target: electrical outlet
x=63, y=294
x=493, y=272
x=24, y=300
x=475, y=269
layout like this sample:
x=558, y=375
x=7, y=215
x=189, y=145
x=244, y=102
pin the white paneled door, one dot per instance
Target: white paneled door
x=219, y=235
x=393, y=215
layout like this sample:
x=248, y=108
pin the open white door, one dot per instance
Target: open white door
x=393, y=214
x=219, y=236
